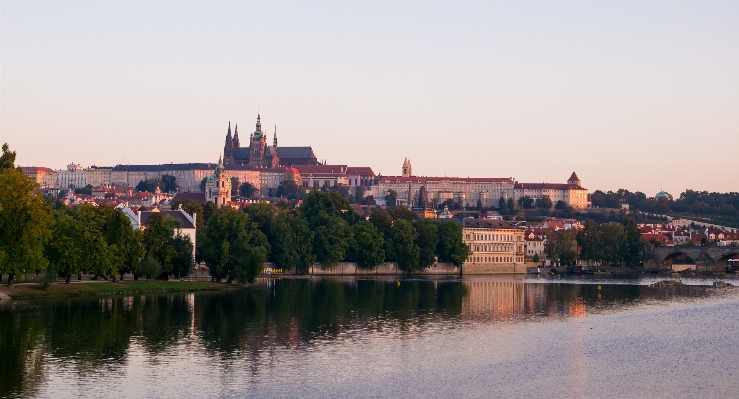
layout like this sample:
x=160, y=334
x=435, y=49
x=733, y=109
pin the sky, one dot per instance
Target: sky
x=636, y=95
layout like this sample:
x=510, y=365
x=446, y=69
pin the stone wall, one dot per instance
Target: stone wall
x=493, y=268
x=352, y=269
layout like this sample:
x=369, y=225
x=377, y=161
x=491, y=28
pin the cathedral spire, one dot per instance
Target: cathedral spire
x=275, y=139
x=237, y=144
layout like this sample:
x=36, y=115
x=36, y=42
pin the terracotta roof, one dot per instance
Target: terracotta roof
x=488, y=223
x=550, y=186
x=401, y=179
x=361, y=170
x=573, y=177
x=314, y=169
x=31, y=169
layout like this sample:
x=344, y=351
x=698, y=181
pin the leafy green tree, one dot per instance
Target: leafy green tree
x=290, y=189
x=561, y=246
x=391, y=197
x=588, y=239
x=544, y=203
x=263, y=214
x=502, y=206
x=526, y=202
x=227, y=247
x=150, y=185
x=331, y=241
x=25, y=222
x=97, y=256
x=63, y=249
x=342, y=190
x=235, y=186
x=318, y=207
x=511, y=204
x=560, y=205
x=403, y=212
x=123, y=239
x=292, y=242
x=150, y=267
x=169, y=184
x=367, y=245
x=427, y=241
x=7, y=160
x=536, y=258
x=382, y=220
x=451, y=247
x=359, y=194
x=183, y=262
x=157, y=240
x=247, y=189
x=403, y=248
x=633, y=244
x=202, y=184
x=87, y=190
x=611, y=240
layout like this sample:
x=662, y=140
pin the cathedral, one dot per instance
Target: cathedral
x=260, y=155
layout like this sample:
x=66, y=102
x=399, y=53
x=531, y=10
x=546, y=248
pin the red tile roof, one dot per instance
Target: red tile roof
x=419, y=179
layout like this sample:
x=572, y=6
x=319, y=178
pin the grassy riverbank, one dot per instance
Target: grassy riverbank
x=107, y=287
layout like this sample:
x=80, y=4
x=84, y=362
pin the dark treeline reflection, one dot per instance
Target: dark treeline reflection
x=92, y=335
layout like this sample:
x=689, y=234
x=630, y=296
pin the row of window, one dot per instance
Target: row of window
x=493, y=259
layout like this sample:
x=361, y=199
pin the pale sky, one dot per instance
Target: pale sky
x=639, y=95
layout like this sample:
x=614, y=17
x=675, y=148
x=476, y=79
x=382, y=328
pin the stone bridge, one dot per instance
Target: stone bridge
x=702, y=259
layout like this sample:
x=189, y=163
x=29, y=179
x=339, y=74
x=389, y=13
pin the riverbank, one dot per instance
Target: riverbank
x=107, y=287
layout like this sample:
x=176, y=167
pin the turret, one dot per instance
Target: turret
x=236, y=143
x=274, y=141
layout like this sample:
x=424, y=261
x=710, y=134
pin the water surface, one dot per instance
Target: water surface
x=325, y=337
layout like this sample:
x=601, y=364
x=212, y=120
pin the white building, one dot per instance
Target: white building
x=72, y=177
x=496, y=246
x=188, y=225
x=218, y=186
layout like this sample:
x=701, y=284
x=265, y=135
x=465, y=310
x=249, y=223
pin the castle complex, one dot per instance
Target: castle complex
x=259, y=155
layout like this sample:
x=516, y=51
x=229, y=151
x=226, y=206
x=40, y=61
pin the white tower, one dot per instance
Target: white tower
x=407, y=168
x=218, y=186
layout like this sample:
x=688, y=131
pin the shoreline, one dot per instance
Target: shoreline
x=60, y=289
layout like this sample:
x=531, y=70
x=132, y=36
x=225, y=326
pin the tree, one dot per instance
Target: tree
x=402, y=248
x=150, y=267
x=368, y=244
x=391, y=198
x=87, y=190
x=63, y=250
x=427, y=241
x=536, y=258
x=633, y=244
x=169, y=184
x=183, y=262
x=235, y=186
x=451, y=247
x=228, y=248
x=403, y=212
x=560, y=205
x=589, y=241
x=382, y=220
x=292, y=242
x=25, y=222
x=561, y=246
x=544, y=203
x=247, y=190
x=318, y=207
x=330, y=243
x=202, y=184
x=526, y=202
x=359, y=194
x=511, y=204
x=157, y=240
x=7, y=160
x=124, y=240
x=290, y=189
x=150, y=185
x=502, y=206
x=263, y=214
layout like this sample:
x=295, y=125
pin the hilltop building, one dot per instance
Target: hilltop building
x=259, y=155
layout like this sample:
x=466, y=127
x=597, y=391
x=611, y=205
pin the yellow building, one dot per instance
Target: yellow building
x=496, y=246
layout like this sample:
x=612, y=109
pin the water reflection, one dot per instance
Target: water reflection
x=96, y=335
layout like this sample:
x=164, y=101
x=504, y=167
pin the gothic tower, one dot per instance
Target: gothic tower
x=236, y=143
x=257, y=146
x=228, y=148
x=407, y=168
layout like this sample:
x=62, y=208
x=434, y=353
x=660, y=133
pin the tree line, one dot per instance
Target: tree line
x=324, y=228
x=690, y=201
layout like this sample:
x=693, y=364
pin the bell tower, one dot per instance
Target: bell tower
x=257, y=145
x=407, y=168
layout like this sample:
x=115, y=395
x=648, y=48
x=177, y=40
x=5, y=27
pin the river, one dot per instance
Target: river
x=502, y=336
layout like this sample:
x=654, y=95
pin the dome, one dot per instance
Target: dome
x=663, y=194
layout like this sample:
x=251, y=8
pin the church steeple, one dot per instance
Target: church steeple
x=236, y=143
x=258, y=131
x=274, y=141
x=229, y=146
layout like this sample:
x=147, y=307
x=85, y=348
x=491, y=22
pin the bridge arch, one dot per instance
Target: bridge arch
x=678, y=261
x=724, y=259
